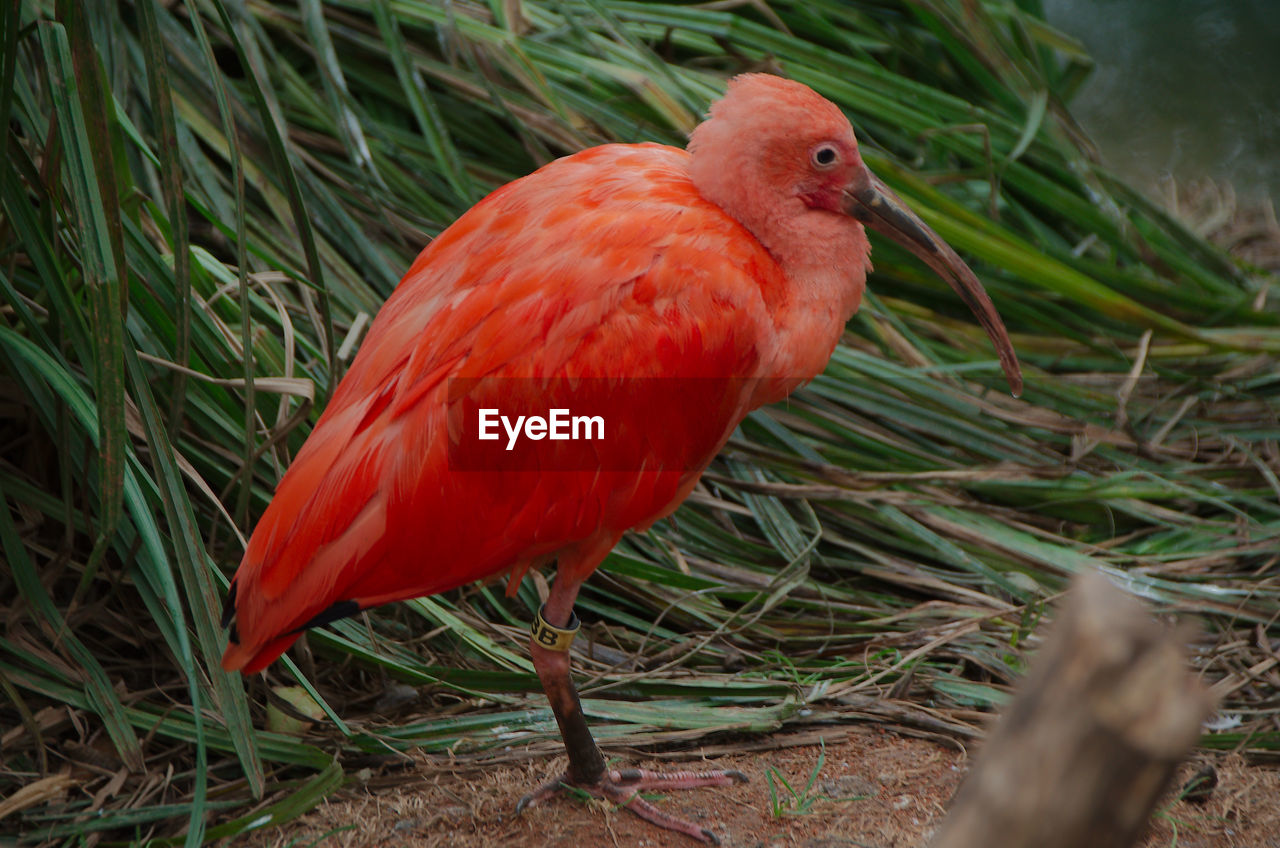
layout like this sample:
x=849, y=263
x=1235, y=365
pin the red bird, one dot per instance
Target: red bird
x=616, y=272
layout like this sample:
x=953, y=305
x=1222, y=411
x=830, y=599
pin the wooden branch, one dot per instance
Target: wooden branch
x=1092, y=738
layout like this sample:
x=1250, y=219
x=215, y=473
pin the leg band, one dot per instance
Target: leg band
x=554, y=638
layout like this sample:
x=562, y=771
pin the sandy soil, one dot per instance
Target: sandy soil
x=874, y=790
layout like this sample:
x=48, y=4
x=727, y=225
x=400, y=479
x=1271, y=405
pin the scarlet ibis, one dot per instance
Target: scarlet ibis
x=736, y=263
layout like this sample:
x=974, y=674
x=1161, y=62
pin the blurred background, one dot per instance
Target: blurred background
x=1181, y=88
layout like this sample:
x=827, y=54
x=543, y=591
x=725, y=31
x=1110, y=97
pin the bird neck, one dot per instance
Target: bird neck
x=824, y=260
x=808, y=324
x=824, y=257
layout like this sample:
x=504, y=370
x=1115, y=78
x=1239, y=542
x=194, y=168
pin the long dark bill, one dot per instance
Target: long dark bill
x=875, y=205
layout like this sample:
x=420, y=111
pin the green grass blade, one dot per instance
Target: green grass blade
x=81, y=112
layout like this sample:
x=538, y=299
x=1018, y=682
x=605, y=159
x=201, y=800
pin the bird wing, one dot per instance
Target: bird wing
x=604, y=270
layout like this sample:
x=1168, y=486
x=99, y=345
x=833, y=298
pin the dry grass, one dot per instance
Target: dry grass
x=879, y=549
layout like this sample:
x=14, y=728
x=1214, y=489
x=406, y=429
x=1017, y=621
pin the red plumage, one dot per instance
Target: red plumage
x=672, y=291
x=606, y=264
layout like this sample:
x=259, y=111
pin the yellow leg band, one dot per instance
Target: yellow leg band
x=554, y=638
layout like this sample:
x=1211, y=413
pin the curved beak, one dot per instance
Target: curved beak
x=876, y=206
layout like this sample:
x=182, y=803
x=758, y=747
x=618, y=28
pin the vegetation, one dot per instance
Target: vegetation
x=205, y=201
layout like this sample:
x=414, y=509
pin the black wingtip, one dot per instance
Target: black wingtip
x=339, y=610
x=229, y=608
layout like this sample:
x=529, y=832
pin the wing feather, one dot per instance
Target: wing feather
x=602, y=264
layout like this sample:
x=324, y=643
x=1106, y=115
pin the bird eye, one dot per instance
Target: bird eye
x=824, y=156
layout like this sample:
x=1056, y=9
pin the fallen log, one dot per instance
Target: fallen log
x=1091, y=740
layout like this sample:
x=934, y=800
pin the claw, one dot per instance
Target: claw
x=550, y=789
x=623, y=787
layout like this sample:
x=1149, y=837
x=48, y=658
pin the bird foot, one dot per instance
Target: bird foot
x=623, y=787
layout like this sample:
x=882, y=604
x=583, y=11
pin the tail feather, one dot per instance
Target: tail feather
x=250, y=659
x=253, y=658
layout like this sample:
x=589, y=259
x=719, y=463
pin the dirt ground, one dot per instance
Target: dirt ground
x=874, y=790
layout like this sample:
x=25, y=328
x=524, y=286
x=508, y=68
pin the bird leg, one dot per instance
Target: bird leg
x=549, y=646
x=586, y=763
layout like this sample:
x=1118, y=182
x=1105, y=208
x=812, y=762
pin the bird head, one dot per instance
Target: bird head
x=783, y=161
